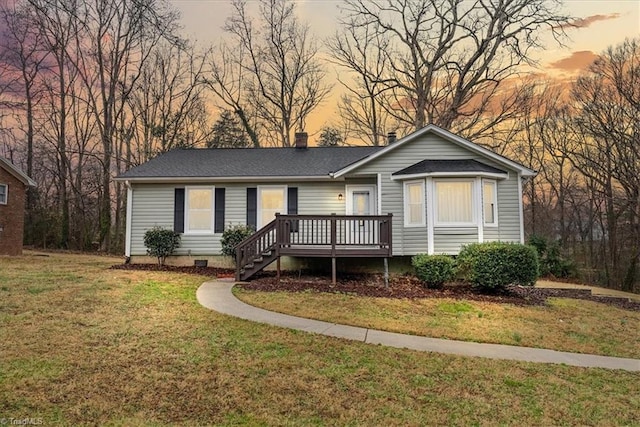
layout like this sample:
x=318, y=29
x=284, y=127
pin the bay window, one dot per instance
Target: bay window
x=454, y=202
x=414, y=204
x=489, y=202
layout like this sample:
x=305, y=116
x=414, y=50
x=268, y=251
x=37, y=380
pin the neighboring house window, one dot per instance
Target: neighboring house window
x=414, y=208
x=3, y=194
x=271, y=200
x=489, y=202
x=199, y=210
x=454, y=202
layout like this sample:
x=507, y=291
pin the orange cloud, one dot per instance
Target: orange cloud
x=577, y=61
x=586, y=22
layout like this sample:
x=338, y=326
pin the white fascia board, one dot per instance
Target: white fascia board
x=208, y=179
x=21, y=176
x=450, y=175
x=522, y=170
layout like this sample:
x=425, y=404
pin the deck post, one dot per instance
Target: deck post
x=386, y=273
x=278, y=270
x=333, y=271
x=334, y=239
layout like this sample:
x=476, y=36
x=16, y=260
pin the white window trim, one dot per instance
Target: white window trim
x=474, y=208
x=187, y=231
x=493, y=183
x=407, y=218
x=6, y=194
x=285, y=190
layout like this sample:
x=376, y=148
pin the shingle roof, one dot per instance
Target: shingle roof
x=435, y=166
x=243, y=162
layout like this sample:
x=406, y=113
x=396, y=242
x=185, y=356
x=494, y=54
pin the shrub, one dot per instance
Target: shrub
x=494, y=265
x=233, y=235
x=161, y=243
x=433, y=270
x=552, y=262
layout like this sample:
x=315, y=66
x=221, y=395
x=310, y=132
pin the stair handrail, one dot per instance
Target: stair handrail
x=243, y=256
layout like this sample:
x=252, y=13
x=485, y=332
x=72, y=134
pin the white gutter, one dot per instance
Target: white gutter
x=494, y=175
x=213, y=179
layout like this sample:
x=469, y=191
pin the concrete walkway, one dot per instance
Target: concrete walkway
x=217, y=296
x=595, y=290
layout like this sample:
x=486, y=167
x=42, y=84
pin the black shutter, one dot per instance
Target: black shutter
x=218, y=226
x=252, y=207
x=178, y=210
x=292, y=206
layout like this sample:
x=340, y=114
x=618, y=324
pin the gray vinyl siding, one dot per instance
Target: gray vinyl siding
x=153, y=206
x=411, y=241
x=508, y=229
x=450, y=241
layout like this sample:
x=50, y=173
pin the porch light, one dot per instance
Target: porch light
x=340, y=197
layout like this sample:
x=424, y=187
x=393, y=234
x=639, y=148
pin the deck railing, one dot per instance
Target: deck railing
x=317, y=236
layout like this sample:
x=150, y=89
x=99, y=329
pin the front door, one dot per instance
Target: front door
x=361, y=200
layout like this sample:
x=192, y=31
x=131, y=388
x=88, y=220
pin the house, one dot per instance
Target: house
x=13, y=190
x=442, y=190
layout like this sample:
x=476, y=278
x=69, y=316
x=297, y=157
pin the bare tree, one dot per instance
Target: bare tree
x=167, y=105
x=229, y=81
x=286, y=76
x=115, y=39
x=607, y=152
x=448, y=59
x=23, y=57
x=362, y=50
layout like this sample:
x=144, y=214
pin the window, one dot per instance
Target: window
x=199, y=210
x=454, y=202
x=271, y=200
x=414, y=209
x=3, y=194
x=489, y=202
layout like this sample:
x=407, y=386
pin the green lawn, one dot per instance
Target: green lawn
x=82, y=344
x=564, y=324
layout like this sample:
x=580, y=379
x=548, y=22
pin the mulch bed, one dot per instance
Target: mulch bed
x=407, y=286
x=204, y=271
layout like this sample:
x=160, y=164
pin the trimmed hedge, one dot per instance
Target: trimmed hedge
x=233, y=235
x=494, y=265
x=161, y=242
x=433, y=270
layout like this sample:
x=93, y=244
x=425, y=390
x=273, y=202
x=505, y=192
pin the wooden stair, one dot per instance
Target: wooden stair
x=256, y=252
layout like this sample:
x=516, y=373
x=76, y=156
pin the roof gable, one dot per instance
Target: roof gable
x=13, y=170
x=447, y=136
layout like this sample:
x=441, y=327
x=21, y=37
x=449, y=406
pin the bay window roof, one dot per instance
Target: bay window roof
x=449, y=168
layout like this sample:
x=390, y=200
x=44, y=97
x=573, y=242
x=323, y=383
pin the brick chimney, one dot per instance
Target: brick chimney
x=301, y=139
x=391, y=138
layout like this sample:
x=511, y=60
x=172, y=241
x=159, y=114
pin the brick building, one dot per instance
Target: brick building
x=13, y=190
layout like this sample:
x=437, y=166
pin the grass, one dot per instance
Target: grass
x=565, y=324
x=93, y=346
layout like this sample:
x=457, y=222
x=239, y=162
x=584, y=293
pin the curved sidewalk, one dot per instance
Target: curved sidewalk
x=217, y=296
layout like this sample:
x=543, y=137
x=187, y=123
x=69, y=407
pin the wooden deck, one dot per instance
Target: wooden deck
x=330, y=236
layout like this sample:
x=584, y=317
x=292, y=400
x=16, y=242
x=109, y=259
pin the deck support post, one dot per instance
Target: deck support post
x=386, y=273
x=278, y=270
x=333, y=271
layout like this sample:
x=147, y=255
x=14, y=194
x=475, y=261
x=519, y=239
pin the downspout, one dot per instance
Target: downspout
x=127, y=242
x=520, y=208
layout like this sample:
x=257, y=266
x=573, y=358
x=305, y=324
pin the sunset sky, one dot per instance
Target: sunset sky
x=601, y=23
